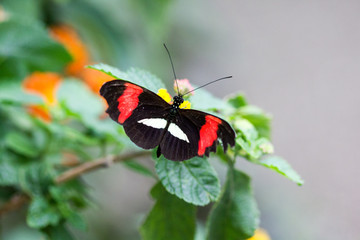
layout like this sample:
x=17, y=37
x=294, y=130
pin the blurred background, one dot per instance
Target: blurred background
x=298, y=60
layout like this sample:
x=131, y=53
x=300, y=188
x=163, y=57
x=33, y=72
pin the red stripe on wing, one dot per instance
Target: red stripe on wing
x=208, y=133
x=128, y=101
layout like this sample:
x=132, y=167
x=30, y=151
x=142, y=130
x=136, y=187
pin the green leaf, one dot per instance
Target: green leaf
x=258, y=118
x=109, y=70
x=247, y=130
x=35, y=178
x=21, y=144
x=280, y=165
x=80, y=100
x=205, y=101
x=252, y=146
x=237, y=101
x=13, y=71
x=71, y=216
x=8, y=172
x=73, y=191
x=137, y=76
x=27, y=10
x=195, y=181
x=145, y=79
x=58, y=232
x=170, y=218
x=41, y=213
x=235, y=216
x=29, y=42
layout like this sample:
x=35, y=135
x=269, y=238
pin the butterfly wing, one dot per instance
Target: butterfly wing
x=148, y=123
x=195, y=133
x=141, y=112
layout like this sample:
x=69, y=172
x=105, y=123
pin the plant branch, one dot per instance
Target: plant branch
x=20, y=199
x=14, y=203
x=102, y=162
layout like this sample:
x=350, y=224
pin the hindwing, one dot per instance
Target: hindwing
x=204, y=132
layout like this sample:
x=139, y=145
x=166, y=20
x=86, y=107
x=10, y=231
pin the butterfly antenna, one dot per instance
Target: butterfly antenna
x=173, y=69
x=207, y=84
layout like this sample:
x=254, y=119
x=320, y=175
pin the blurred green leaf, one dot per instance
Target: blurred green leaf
x=258, y=118
x=58, y=232
x=145, y=79
x=74, y=192
x=8, y=169
x=204, y=101
x=280, y=165
x=30, y=43
x=20, y=143
x=109, y=70
x=194, y=180
x=134, y=75
x=247, y=130
x=237, y=101
x=41, y=213
x=235, y=216
x=7, y=192
x=252, y=146
x=28, y=10
x=105, y=35
x=64, y=196
x=35, y=178
x=12, y=71
x=170, y=218
x=71, y=216
x=8, y=172
x=80, y=100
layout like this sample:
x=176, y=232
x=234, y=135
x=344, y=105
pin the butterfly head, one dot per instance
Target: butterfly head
x=178, y=100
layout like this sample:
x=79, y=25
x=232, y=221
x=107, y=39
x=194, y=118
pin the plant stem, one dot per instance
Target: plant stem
x=20, y=199
x=92, y=165
x=14, y=203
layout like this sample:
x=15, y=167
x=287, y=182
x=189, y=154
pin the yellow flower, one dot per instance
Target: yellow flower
x=185, y=105
x=163, y=93
x=260, y=234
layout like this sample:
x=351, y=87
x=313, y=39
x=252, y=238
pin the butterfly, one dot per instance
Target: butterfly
x=149, y=121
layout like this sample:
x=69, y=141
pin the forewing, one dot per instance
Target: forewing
x=124, y=97
x=141, y=112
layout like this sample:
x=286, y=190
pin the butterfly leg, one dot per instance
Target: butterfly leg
x=158, y=152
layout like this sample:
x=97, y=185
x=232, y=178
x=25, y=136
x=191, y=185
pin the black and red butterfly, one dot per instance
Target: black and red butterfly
x=149, y=121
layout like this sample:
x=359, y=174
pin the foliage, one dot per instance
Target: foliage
x=42, y=140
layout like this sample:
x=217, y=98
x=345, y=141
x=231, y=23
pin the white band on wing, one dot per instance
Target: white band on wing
x=160, y=123
x=177, y=132
x=154, y=122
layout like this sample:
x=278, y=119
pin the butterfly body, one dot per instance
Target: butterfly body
x=149, y=121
